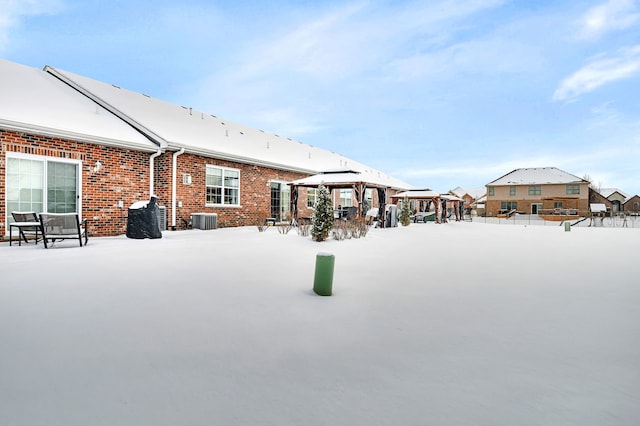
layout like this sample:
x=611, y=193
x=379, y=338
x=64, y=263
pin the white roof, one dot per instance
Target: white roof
x=417, y=194
x=176, y=126
x=474, y=192
x=33, y=101
x=608, y=192
x=597, y=207
x=371, y=177
x=537, y=176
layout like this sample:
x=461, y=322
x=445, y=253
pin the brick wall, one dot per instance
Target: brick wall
x=123, y=176
x=255, y=192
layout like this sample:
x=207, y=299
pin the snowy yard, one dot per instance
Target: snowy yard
x=453, y=324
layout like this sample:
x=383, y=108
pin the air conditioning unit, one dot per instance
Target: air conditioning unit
x=204, y=221
x=162, y=218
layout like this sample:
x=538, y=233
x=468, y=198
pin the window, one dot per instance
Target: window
x=512, y=190
x=535, y=190
x=41, y=184
x=368, y=200
x=346, y=198
x=508, y=205
x=491, y=191
x=223, y=186
x=312, y=196
x=558, y=205
x=573, y=188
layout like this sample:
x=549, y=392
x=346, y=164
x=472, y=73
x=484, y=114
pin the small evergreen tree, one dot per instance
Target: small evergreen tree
x=405, y=212
x=322, y=218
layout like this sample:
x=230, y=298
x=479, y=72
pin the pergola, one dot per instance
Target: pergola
x=342, y=179
x=439, y=201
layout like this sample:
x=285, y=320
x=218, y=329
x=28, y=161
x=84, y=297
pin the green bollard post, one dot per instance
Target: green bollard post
x=567, y=226
x=323, y=278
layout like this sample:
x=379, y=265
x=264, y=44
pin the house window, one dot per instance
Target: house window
x=42, y=184
x=491, y=191
x=508, y=205
x=223, y=186
x=512, y=191
x=558, y=205
x=368, y=200
x=312, y=197
x=535, y=190
x=573, y=188
x=346, y=197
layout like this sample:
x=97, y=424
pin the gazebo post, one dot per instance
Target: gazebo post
x=359, y=188
x=382, y=200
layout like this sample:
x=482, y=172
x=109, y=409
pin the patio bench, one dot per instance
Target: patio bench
x=27, y=224
x=63, y=226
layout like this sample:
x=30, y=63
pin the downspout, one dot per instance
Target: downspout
x=151, y=171
x=174, y=179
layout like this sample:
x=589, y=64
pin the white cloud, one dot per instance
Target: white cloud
x=598, y=72
x=13, y=11
x=613, y=15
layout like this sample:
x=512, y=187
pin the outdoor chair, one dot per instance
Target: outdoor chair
x=63, y=226
x=27, y=224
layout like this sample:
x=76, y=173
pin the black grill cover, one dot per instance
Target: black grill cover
x=142, y=222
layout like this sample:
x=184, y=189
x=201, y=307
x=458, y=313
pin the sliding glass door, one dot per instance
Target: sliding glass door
x=42, y=185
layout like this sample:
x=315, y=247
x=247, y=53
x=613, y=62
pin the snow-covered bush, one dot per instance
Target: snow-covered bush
x=405, y=212
x=322, y=218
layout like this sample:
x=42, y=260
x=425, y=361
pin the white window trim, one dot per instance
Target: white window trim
x=316, y=198
x=213, y=166
x=44, y=159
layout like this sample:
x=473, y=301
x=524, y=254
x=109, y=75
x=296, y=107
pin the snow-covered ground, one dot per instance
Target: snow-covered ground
x=453, y=324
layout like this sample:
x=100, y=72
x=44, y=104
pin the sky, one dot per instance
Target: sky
x=437, y=93
x=161, y=332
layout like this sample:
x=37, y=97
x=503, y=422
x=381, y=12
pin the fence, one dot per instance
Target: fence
x=617, y=221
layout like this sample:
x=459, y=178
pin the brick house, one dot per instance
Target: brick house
x=72, y=144
x=470, y=196
x=616, y=197
x=536, y=191
x=632, y=205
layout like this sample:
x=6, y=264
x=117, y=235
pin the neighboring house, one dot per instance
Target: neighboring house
x=537, y=191
x=632, y=205
x=597, y=198
x=72, y=144
x=615, y=196
x=470, y=196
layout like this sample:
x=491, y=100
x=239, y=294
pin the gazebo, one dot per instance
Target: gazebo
x=439, y=201
x=345, y=179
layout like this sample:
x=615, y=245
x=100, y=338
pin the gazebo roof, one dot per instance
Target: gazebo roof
x=422, y=194
x=346, y=178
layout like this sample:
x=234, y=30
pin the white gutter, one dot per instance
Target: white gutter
x=174, y=179
x=75, y=136
x=151, y=173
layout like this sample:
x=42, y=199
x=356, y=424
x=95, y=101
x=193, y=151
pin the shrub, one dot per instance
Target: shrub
x=322, y=218
x=405, y=212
